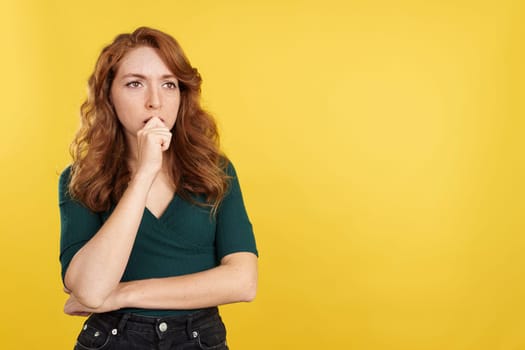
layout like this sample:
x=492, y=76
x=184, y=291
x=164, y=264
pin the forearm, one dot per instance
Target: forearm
x=235, y=280
x=96, y=269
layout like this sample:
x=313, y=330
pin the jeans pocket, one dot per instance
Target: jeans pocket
x=93, y=337
x=221, y=346
x=213, y=337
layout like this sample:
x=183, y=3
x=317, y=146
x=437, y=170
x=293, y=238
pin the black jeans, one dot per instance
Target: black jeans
x=123, y=331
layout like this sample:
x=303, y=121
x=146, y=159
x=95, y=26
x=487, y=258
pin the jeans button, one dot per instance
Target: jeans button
x=163, y=327
x=195, y=334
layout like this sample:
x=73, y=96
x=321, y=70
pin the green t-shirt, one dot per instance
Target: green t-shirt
x=185, y=239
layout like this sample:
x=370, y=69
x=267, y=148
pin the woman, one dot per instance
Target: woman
x=154, y=233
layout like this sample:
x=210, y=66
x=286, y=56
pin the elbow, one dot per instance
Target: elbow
x=87, y=297
x=249, y=294
x=90, y=301
x=249, y=290
x=243, y=274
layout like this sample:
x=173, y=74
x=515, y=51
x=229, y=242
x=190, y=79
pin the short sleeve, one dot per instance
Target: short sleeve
x=77, y=223
x=234, y=229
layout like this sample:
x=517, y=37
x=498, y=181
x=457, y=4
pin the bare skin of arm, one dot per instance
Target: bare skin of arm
x=234, y=280
x=97, y=268
x=94, y=274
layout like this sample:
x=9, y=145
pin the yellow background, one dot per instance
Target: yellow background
x=380, y=147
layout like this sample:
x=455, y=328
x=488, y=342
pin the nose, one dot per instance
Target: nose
x=153, y=100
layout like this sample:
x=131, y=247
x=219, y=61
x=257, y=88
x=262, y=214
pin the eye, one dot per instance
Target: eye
x=134, y=84
x=170, y=85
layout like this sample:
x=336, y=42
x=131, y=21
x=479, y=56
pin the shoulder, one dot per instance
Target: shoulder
x=230, y=173
x=228, y=168
x=63, y=182
x=233, y=187
x=65, y=176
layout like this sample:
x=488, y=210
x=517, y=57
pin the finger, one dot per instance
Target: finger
x=166, y=141
x=77, y=313
x=146, y=134
x=154, y=122
x=72, y=308
x=161, y=136
x=156, y=131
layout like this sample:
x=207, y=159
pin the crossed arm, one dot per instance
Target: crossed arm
x=234, y=280
x=93, y=277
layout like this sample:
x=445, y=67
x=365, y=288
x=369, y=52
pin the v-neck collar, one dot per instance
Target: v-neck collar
x=165, y=212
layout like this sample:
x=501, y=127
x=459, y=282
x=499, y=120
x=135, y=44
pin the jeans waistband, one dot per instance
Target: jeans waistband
x=159, y=325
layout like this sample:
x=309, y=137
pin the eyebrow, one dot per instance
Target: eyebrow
x=140, y=76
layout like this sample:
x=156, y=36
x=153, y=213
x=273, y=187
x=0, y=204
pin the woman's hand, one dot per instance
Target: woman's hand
x=153, y=139
x=96, y=270
x=73, y=307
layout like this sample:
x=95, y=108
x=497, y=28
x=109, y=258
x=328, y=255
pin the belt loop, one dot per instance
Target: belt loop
x=189, y=326
x=122, y=322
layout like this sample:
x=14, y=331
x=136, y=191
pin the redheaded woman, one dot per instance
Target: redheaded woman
x=154, y=232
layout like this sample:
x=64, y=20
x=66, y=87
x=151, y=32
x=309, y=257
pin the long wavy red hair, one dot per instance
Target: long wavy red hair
x=100, y=173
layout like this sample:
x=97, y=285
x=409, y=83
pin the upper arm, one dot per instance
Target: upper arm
x=234, y=230
x=247, y=259
x=77, y=223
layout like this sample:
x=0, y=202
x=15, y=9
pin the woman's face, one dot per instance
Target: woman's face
x=144, y=88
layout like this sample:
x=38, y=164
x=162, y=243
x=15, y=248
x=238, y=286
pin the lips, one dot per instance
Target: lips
x=147, y=120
